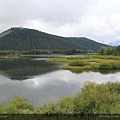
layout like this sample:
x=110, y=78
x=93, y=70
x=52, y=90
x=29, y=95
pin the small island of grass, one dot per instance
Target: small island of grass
x=88, y=62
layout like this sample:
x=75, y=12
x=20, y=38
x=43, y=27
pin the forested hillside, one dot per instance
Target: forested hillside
x=30, y=39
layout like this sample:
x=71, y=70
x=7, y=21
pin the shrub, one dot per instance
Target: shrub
x=105, y=66
x=16, y=106
x=113, y=65
x=77, y=63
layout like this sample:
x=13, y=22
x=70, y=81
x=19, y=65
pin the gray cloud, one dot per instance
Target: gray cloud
x=59, y=12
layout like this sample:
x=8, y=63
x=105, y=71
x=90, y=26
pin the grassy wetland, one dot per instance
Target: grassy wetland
x=89, y=62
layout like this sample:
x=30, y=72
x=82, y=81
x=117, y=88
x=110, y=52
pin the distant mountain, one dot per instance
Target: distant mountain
x=30, y=39
x=115, y=43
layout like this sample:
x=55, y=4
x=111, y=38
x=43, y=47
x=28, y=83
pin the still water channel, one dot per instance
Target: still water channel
x=41, y=82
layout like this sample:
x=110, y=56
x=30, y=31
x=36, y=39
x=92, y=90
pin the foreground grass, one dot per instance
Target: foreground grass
x=93, y=99
x=82, y=63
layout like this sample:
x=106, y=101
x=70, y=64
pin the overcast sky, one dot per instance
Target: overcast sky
x=95, y=19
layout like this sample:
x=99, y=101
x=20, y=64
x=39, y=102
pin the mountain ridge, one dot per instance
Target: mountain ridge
x=19, y=38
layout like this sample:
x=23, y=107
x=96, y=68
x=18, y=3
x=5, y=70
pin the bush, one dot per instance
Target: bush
x=18, y=105
x=105, y=66
x=113, y=65
x=77, y=63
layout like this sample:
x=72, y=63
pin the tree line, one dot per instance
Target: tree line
x=42, y=52
x=110, y=50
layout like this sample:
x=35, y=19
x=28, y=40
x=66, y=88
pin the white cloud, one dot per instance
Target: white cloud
x=118, y=38
x=115, y=21
x=101, y=27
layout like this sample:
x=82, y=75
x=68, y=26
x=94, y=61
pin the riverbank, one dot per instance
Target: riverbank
x=13, y=56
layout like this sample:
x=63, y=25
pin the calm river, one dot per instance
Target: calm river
x=40, y=82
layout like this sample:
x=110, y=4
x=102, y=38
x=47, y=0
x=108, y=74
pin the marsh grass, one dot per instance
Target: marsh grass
x=11, y=56
x=77, y=63
x=83, y=63
x=113, y=65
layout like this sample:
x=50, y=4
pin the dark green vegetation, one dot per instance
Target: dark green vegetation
x=35, y=41
x=86, y=63
x=93, y=99
x=110, y=51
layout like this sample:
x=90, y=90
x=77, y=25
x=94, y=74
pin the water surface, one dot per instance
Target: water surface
x=40, y=82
